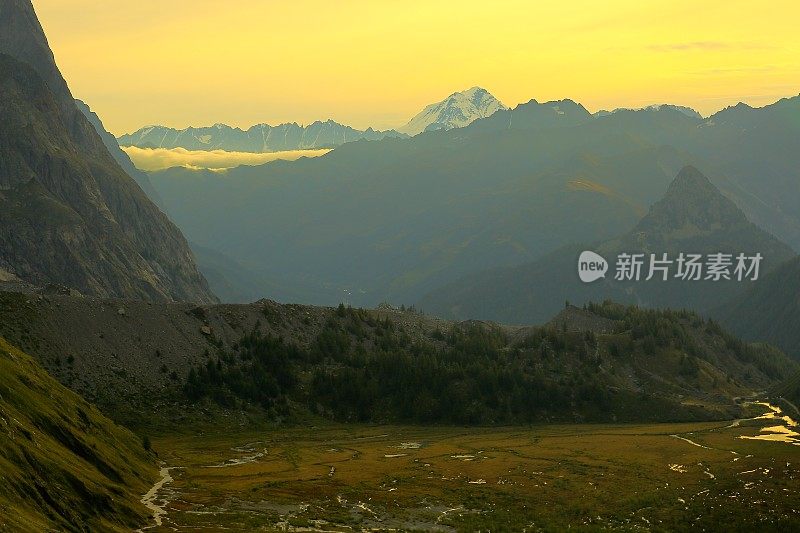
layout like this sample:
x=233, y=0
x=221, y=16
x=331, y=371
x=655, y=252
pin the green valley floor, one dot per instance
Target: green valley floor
x=735, y=475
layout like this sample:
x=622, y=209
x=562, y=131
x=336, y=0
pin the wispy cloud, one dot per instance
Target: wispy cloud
x=705, y=46
x=150, y=159
x=742, y=69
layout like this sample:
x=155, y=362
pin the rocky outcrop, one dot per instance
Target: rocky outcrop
x=68, y=213
x=117, y=153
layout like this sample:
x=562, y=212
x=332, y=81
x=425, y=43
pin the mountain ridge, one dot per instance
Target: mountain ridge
x=70, y=213
x=124, y=361
x=116, y=152
x=692, y=217
x=688, y=111
x=456, y=111
x=256, y=139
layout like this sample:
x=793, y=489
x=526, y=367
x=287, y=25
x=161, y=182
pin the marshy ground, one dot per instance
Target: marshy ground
x=383, y=478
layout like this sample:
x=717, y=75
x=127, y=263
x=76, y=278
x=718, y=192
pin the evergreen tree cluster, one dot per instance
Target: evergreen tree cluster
x=360, y=367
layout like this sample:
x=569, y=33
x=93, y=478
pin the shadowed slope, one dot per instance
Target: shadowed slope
x=64, y=466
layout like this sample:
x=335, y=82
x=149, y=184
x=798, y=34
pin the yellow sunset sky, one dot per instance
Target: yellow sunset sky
x=377, y=63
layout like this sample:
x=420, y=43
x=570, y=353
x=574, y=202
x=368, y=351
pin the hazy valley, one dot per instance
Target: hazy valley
x=557, y=175
x=323, y=327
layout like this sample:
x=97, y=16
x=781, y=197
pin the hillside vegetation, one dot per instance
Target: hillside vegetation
x=789, y=389
x=63, y=465
x=142, y=361
x=653, y=365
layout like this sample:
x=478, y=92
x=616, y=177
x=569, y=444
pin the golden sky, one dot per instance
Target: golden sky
x=377, y=63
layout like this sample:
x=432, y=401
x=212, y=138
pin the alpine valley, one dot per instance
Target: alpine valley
x=392, y=336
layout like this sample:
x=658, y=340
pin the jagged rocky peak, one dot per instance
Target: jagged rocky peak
x=691, y=198
x=256, y=139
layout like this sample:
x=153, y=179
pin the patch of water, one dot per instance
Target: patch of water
x=151, y=500
x=239, y=460
x=784, y=433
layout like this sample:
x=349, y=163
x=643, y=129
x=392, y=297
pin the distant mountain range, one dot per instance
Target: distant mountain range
x=69, y=214
x=258, y=138
x=456, y=111
x=692, y=217
x=400, y=218
x=409, y=215
x=688, y=111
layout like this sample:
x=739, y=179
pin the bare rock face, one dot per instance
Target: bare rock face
x=118, y=154
x=68, y=213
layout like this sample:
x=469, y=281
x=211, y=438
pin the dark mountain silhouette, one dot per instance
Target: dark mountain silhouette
x=397, y=218
x=758, y=149
x=68, y=213
x=692, y=217
x=770, y=311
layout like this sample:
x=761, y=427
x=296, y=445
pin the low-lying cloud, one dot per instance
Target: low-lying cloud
x=160, y=158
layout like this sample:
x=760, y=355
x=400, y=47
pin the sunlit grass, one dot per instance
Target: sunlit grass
x=578, y=476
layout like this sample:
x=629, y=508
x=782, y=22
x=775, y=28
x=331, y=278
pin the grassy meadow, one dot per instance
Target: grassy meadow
x=660, y=477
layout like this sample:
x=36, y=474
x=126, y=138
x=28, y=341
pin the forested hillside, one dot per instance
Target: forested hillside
x=653, y=365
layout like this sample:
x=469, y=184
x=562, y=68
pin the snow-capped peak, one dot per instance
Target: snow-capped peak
x=456, y=111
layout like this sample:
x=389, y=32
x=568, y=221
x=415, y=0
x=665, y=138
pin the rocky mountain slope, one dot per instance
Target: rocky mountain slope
x=258, y=138
x=693, y=217
x=111, y=351
x=119, y=156
x=133, y=358
x=456, y=111
x=68, y=212
x=64, y=466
